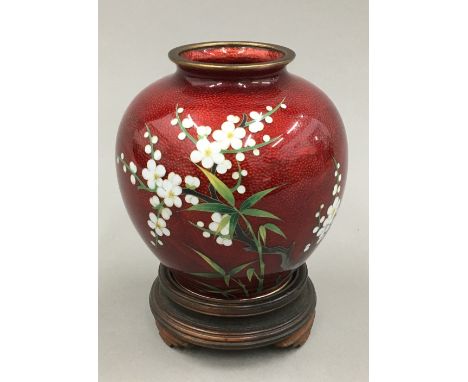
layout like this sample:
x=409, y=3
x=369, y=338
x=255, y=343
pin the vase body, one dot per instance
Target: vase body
x=232, y=178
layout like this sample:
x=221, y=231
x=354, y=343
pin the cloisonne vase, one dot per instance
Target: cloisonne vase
x=232, y=170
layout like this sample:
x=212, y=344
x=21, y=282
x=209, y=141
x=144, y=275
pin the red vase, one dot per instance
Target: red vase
x=232, y=169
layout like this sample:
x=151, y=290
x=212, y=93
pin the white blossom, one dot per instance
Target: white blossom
x=256, y=126
x=153, y=174
x=157, y=155
x=224, y=166
x=204, y=131
x=192, y=182
x=154, y=201
x=187, y=122
x=229, y=135
x=208, y=153
x=240, y=157
x=306, y=248
x=233, y=118
x=158, y=224
x=241, y=189
x=192, y=199
x=170, y=190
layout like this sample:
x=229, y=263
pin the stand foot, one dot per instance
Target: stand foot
x=282, y=319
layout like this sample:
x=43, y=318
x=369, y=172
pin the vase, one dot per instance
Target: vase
x=232, y=170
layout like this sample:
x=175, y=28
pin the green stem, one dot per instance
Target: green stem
x=259, y=250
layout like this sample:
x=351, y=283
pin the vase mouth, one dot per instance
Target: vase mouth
x=231, y=56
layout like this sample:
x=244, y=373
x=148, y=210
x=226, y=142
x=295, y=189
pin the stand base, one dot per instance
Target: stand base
x=282, y=318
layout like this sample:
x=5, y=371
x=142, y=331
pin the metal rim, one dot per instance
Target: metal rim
x=176, y=57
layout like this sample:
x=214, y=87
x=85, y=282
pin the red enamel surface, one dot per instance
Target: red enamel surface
x=232, y=55
x=302, y=162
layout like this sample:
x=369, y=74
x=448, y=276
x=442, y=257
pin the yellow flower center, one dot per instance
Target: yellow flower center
x=208, y=152
x=230, y=134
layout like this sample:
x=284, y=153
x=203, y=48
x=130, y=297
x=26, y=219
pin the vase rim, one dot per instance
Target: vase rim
x=279, y=56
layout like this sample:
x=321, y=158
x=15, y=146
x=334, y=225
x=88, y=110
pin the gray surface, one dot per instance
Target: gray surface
x=330, y=39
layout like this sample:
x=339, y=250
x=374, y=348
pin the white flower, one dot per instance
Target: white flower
x=208, y=153
x=339, y=178
x=204, y=131
x=241, y=189
x=192, y=199
x=122, y=156
x=154, y=201
x=335, y=190
x=180, y=110
x=124, y=168
x=154, y=139
x=200, y=224
x=216, y=220
x=181, y=136
x=256, y=126
x=240, y=157
x=269, y=108
x=158, y=224
x=224, y=166
x=206, y=234
x=266, y=138
x=224, y=241
x=174, y=121
x=166, y=213
x=170, y=190
x=229, y=135
x=268, y=119
x=250, y=142
x=256, y=152
x=326, y=223
x=235, y=175
x=233, y=118
x=283, y=106
x=153, y=243
x=244, y=172
x=153, y=174
x=133, y=167
x=306, y=248
x=192, y=182
x=132, y=179
x=160, y=242
x=187, y=122
x=333, y=209
x=157, y=155
x=148, y=149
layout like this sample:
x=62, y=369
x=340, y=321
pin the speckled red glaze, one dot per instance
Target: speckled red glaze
x=303, y=161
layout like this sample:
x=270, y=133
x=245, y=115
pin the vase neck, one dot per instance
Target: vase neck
x=231, y=60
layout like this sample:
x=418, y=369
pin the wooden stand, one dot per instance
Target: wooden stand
x=282, y=318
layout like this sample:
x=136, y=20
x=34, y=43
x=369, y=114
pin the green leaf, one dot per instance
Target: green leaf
x=250, y=273
x=262, y=232
x=260, y=213
x=220, y=187
x=207, y=275
x=216, y=267
x=274, y=228
x=233, y=224
x=239, y=268
x=226, y=279
x=255, y=198
x=212, y=207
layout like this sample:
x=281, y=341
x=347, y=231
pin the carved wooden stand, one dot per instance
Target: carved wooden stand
x=282, y=318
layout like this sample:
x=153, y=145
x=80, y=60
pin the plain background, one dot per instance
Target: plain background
x=330, y=39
